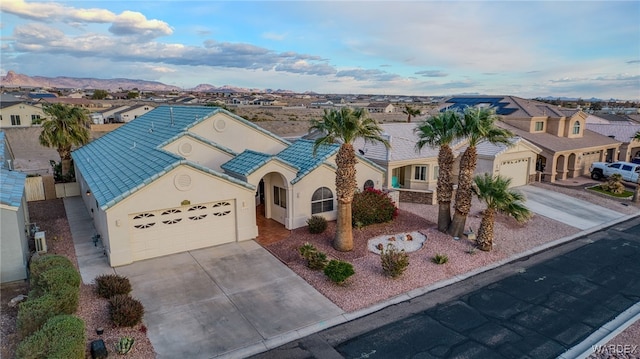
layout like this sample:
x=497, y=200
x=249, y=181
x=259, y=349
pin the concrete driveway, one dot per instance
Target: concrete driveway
x=228, y=300
x=566, y=209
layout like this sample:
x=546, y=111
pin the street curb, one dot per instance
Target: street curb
x=603, y=335
x=299, y=333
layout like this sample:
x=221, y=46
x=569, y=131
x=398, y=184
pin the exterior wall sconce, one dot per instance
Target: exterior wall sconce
x=88, y=192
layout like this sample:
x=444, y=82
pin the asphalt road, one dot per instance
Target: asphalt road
x=534, y=308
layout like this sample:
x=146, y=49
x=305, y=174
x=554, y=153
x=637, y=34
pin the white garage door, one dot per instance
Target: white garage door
x=517, y=170
x=180, y=229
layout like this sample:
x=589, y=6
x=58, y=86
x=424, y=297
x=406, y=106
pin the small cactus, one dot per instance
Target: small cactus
x=124, y=345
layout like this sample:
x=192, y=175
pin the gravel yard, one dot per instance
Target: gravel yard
x=367, y=287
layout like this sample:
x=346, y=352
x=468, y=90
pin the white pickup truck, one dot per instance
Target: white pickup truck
x=629, y=171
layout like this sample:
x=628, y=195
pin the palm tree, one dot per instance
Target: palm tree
x=440, y=130
x=66, y=126
x=410, y=111
x=636, y=192
x=344, y=126
x=495, y=193
x=478, y=126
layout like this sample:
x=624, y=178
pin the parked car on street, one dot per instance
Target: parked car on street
x=628, y=170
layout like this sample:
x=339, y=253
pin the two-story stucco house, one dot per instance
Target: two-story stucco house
x=19, y=114
x=180, y=178
x=568, y=148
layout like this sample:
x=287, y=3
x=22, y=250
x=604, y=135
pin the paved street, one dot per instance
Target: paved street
x=536, y=308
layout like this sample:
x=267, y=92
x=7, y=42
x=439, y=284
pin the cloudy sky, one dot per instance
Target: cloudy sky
x=523, y=48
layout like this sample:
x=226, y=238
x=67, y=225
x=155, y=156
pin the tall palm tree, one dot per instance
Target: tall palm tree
x=65, y=126
x=410, y=112
x=478, y=126
x=495, y=193
x=440, y=130
x=636, y=192
x=344, y=126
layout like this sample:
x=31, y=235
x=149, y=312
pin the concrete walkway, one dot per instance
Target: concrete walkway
x=91, y=259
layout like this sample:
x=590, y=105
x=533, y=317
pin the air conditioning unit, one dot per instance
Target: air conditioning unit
x=41, y=242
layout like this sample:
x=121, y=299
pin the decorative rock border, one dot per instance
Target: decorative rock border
x=409, y=241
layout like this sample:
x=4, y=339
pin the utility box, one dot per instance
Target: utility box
x=41, y=242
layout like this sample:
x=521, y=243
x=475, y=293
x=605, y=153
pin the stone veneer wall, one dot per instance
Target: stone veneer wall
x=417, y=196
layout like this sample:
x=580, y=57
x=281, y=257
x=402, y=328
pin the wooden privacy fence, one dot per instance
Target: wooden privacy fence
x=40, y=188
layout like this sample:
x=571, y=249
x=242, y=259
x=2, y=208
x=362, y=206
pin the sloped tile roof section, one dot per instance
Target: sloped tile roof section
x=622, y=132
x=12, y=187
x=553, y=143
x=403, y=141
x=130, y=157
x=488, y=149
x=2, y=149
x=511, y=106
x=300, y=154
x=498, y=102
x=245, y=163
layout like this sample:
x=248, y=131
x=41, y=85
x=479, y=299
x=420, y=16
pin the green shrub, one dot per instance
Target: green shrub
x=125, y=311
x=394, y=262
x=440, y=259
x=108, y=285
x=316, y=260
x=33, y=313
x=47, y=262
x=52, y=278
x=372, y=206
x=317, y=224
x=338, y=271
x=62, y=336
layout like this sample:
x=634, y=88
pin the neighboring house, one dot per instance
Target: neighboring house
x=623, y=132
x=19, y=114
x=517, y=161
x=410, y=169
x=14, y=219
x=568, y=148
x=108, y=115
x=131, y=113
x=381, y=107
x=180, y=178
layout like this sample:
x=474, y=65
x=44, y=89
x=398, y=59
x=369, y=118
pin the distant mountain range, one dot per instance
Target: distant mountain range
x=13, y=79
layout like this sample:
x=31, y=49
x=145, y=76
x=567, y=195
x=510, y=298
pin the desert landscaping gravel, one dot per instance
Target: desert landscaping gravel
x=367, y=287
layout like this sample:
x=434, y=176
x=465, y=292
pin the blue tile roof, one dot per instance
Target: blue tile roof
x=130, y=157
x=460, y=103
x=245, y=163
x=12, y=187
x=300, y=154
x=2, y=149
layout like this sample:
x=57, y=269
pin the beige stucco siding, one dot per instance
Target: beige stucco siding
x=199, y=152
x=14, y=247
x=236, y=135
x=26, y=113
x=169, y=191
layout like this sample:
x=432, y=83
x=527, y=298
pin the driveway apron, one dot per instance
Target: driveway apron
x=220, y=300
x=566, y=209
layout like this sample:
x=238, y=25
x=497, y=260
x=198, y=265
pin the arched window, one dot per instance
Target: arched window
x=576, y=127
x=368, y=184
x=322, y=200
